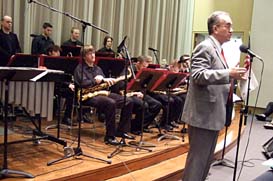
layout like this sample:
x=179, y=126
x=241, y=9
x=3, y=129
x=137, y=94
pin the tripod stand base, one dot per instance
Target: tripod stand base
x=123, y=144
x=141, y=144
x=7, y=173
x=74, y=152
x=54, y=126
x=167, y=136
x=223, y=162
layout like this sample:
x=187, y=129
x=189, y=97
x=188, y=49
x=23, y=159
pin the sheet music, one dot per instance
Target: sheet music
x=34, y=79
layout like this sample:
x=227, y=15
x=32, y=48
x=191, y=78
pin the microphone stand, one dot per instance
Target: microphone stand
x=156, y=57
x=243, y=115
x=74, y=152
x=122, y=142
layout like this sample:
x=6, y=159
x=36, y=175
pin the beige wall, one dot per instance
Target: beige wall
x=240, y=11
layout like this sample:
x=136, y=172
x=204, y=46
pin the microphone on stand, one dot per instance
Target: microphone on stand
x=121, y=45
x=29, y=1
x=245, y=49
x=153, y=49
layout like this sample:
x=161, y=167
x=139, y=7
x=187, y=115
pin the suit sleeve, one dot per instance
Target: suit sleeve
x=207, y=68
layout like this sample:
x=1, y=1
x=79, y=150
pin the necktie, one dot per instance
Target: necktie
x=229, y=105
x=230, y=95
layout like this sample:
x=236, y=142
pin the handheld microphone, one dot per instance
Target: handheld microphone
x=153, y=49
x=121, y=45
x=245, y=49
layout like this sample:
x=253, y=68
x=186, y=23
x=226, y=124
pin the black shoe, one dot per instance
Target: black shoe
x=147, y=130
x=136, y=132
x=167, y=127
x=173, y=124
x=260, y=117
x=125, y=135
x=68, y=121
x=110, y=140
x=86, y=119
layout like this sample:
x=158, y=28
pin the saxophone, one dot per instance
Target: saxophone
x=98, y=89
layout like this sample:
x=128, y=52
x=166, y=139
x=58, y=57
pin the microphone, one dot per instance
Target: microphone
x=245, y=49
x=121, y=45
x=29, y=1
x=153, y=49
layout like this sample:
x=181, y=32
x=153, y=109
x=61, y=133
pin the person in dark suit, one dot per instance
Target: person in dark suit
x=41, y=42
x=209, y=87
x=9, y=44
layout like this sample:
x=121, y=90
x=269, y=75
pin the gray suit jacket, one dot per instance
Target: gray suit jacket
x=205, y=105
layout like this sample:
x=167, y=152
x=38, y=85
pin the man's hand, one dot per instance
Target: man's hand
x=110, y=81
x=98, y=79
x=238, y=73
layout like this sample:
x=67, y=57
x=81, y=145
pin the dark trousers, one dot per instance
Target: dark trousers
x=151, y=110
x=268, y=109
x=108, y=106
x=62, y=90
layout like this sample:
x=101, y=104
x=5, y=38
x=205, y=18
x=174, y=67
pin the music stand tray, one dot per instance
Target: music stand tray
x=111, y=67
x=66, y=64
x=70, y=50
x=24, y=60
x=168, y=81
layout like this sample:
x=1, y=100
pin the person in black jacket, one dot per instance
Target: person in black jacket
x=74, y=38
x=9, y=44
x=41, y=42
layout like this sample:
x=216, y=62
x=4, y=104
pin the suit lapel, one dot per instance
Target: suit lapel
x=219, y=54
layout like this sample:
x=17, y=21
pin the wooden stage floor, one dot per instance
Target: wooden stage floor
x=33, y=159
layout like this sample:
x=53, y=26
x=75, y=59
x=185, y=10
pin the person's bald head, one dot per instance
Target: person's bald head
x=6, y=23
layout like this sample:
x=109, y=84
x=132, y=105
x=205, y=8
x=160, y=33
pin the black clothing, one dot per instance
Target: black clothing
x=72, y=43
x=151, y=109
x=107, y=52
x=105, y=104
x=9, y=45
x=40, y=44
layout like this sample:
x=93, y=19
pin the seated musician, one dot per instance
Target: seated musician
x=151, y=106
x=180, y=93
x=64, y=89
x=162, y=97
x=103, y=100
x=107, y=50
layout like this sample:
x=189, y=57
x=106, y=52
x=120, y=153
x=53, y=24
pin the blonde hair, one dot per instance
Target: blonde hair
x=86, y=49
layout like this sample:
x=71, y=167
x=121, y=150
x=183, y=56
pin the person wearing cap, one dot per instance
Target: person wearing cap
x=185, y=61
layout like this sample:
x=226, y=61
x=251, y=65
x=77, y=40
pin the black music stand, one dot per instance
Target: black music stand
x=24, y=60
x=111, y=67
x=57, y=63
x=170, y=81
x=13, y=74
x=144, y=81
x=66, y=64
x=70, y=51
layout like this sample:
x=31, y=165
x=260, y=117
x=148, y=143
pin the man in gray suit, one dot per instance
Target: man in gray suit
x=205, y=106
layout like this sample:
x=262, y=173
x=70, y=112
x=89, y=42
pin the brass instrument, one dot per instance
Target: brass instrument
x=97, y=89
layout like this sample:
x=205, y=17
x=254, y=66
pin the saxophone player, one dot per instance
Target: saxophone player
x=93, y=75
